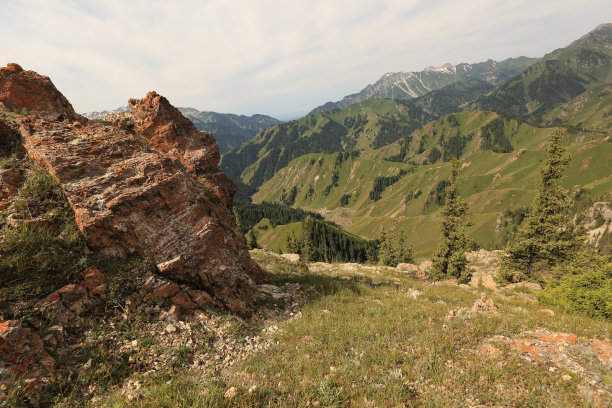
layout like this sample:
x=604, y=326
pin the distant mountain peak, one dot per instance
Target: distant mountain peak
x=410, y=85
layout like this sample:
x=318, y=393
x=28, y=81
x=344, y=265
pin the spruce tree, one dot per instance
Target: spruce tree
x=546, y=237
x=449, y=260
x=309, y=251
x=394, y=248
x=252, y=240
x=404, y=250
x=386, y=254
x=293, y=244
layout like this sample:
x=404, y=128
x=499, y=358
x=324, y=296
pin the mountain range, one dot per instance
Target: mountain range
x=382, y=162
x=409, y=85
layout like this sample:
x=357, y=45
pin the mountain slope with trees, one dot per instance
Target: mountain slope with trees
x=364, y=126
x=559, y=77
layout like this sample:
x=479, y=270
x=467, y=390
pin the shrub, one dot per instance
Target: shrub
x=584, y=286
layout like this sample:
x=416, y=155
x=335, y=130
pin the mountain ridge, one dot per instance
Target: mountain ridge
x=408, y=85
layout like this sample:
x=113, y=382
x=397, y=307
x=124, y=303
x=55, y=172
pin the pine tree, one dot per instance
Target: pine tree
x=386, y=255
x=394, y=248
x=449, y=260
x=237, y=218
x=293, y=244
x=309, y=251
x=252, y=240
x=546, y=237
x=405, y=250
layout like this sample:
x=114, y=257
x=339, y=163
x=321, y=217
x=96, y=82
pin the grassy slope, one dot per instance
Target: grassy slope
x=400, y=352
x=493, y=182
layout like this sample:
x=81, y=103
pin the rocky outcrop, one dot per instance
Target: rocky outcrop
x=166, y=130
x=27, y=92
x=157, y=193
x=482, y=305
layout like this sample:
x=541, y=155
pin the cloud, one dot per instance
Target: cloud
x=268, y=56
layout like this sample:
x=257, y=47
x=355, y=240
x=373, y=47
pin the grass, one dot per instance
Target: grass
x=362, y=341
x=34, y=261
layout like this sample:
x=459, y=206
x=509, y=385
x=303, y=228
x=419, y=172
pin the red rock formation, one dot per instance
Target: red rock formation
x=164, y=198
x=27, y=92
x=165, y=129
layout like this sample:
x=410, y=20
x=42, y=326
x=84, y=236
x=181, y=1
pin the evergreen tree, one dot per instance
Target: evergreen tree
x=293, y=244
x=546, y=236
x=309, y=250
x=252, y=240
x=386, y=254
x=237, y=218
x=449, y=260
x=395, y=248
x=404, y=250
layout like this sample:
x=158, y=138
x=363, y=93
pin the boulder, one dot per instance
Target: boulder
x=157, y=193
x=536, y=287
x=28, y=92
x=408, y=268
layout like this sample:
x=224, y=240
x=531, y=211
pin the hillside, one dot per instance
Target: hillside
x=559, y=77
x=367, y=125
x=450, y=98
x=501, y=157
x=408, y=85
x=230, y=130
x=590, y=111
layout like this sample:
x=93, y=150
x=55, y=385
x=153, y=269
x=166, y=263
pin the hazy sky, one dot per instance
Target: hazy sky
x=281, y=58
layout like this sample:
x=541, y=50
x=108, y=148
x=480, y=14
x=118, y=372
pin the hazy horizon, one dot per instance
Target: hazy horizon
x=274, y=58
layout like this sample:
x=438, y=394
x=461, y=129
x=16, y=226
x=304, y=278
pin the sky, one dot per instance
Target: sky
x=281, y=58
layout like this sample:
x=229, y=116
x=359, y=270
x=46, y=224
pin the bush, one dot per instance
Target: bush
x=584, y=286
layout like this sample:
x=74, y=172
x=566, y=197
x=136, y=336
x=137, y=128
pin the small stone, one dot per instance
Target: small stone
x=174, y=313
x=199, y=297
x=566, y=377
x=547, y=312
x=230, y=393
x=252, y=389
x=170, y=328
x=182, y=300
x=94, y=281
x=594, y=381
x=164, y=291
x=87, y=365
